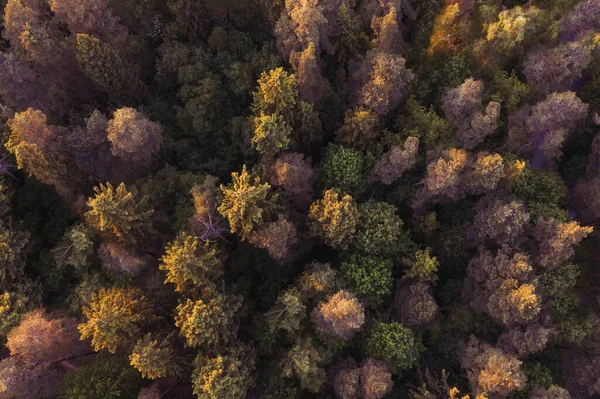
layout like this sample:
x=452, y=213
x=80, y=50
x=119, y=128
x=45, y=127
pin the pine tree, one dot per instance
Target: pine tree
x=117, y=213
x=334, y=218
x=189, y=263
x=207, y=323
x=114, y=317
x=246, y=202
x=153, y=359
x=105, y=67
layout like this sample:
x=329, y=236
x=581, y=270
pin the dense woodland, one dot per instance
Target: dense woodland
x=281, y=199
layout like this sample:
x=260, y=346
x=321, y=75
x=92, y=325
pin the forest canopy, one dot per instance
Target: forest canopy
x=289, y=199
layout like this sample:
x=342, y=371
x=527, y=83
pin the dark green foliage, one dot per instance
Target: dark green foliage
x=544, y=193
x=379, y=229
x=394, y=344
x=343, y=168
x=107, y=376
x=368, y=275
x=418, y=121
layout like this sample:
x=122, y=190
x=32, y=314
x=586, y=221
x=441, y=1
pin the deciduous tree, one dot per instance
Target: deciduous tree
x=341, y=316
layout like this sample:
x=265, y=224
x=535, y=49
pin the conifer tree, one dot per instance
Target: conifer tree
x=190, y=263
x=334, y=218
x=207, y=323
x=114, y=317
x=246, y=202
x=107, y=69
x=117, y=213
x=153, y=359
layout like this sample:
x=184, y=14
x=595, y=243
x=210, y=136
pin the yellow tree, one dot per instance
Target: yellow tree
x=114, y=317
x=246, y=202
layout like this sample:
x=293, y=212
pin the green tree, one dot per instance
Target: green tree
x=207, y=323
x=116, y=212
x=343, y=168
x=246, y=202
x=106, y=377
x=379, y=229
x=394, y=344
x=334, y=218
x=152, y=358
x=288, y=312
x=190, y=263
x=75, y=249
x=368, y=275
x=114, y=317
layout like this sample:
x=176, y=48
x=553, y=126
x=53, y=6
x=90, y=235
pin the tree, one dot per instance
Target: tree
x=91, y=17
x=544, y=127
x=423, y=267
x=122, y=260
x=310, y=81
x=271, y=134
x=394, y=344
x=207, y=323
x=343, y=168
x=512, y=28
x=277, y=93
x=153, y=359
x=37, y=150
x=304, y=361
x=334, y=218
x=133, y=137
x=414, y=305
x=499, y=218
x=277, y=238
x=556, y=241
x=114, y=317
x=396, y=161
x=359, y=129
x=463, y=106
x=245, y=202
x=40, y=339
x=387, y=30
x=288, y=312
x=380, y=81
x=504, y=286
x=379, y=229
x=554, y=392
x=490, y=370
x=375, y=379
x=318, y=279
x=106, y=377
x=228, y=375
x=294, y=173
x=525, y=341
x=75, y=249
x=117, y=213
x=368, y=275
x=484, y=174
x=107, y=69
x=556, y=69
x=189, y=263
x=443, y=180
x=341, y=316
